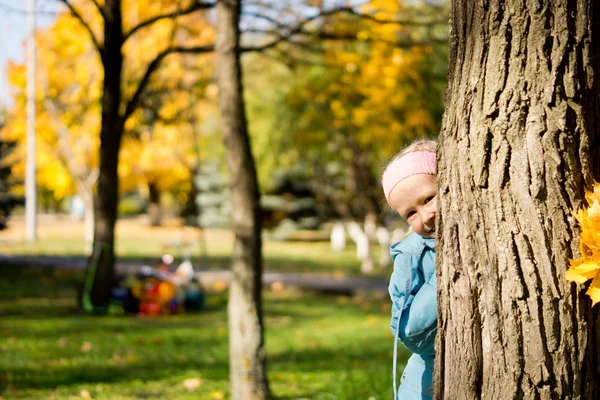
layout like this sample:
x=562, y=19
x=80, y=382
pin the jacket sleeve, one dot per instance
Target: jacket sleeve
x=415, y=301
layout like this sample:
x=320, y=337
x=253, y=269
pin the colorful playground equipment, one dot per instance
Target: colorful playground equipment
x=158, y=291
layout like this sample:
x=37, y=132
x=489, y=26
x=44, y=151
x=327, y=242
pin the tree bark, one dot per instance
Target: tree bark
x=88, y=221
x=246, y=338
x=111, y=131
x=516, y=152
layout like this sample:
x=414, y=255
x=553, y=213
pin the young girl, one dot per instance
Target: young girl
x=409, y=186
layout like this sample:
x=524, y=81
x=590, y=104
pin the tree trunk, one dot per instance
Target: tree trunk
x=88, y=221
x=520, y=128
x=154, y=204
x=246, y=338
x=110, y=142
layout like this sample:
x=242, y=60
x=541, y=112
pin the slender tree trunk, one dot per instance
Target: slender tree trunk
x=516, y=153
x=154, y=204
x=246, y=338
x=110, y=142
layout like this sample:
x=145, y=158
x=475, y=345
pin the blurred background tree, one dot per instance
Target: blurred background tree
x=159, y=150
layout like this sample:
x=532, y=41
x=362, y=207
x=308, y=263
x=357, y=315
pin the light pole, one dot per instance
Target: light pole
x=30, y=172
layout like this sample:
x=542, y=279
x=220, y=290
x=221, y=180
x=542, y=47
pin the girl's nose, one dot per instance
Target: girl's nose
x=429, y=216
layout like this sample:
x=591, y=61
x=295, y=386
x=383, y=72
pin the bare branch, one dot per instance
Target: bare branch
x=287, y=33
x=352, y=11
x=179, y=12
x=406, y=22
x=87, y=27
x=336, y=36
x=265, y=17
x=281, y=37
x=153, y=66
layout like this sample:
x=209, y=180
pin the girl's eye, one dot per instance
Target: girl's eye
x=427, y=200
x=410, y=214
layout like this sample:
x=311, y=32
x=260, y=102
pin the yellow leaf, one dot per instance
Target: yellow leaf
x=582, y=271
x=594, y=290
x=593, y=211
x=593, y=195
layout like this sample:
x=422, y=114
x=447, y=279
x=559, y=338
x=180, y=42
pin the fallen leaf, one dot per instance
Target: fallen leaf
x=277, y=286
x=219, y=286
x=158, y=341
x=86, y=347
x=192, y=383
x=217, y=395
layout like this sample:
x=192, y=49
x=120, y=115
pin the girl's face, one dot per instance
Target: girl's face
x=414, y=198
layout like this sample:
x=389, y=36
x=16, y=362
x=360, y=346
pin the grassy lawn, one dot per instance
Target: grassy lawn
x=318, y=347
x=136, y=240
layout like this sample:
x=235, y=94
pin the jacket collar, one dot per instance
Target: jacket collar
x=429, y=242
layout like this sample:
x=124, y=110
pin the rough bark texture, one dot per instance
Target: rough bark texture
x=518, y=148
x=111, y=132
x=246, y=339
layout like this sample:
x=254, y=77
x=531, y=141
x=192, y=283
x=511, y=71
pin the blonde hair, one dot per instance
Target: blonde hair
x=417, y=145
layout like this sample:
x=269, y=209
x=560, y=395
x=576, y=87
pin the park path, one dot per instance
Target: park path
x=325, y=283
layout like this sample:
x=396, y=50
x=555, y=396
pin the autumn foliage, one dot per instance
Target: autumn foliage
x=588, y=266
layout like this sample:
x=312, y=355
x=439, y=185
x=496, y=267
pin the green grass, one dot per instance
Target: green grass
x=318, y=347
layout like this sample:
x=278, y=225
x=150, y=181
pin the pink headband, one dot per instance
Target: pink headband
x=418, y=162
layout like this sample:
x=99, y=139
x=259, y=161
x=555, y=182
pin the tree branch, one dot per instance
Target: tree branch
x=78, y=16
x=190, y=9
x=100, y=9
x=352, y=11
x=407, y=22
x=77, y=171
x=153, y=66
x=335, y=36
x=265, y=17
x=287, y=33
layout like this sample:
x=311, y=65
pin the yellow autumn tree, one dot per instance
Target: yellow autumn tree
x=69, y=79
x=390, y=82
x=351, y=104
x=160, y=153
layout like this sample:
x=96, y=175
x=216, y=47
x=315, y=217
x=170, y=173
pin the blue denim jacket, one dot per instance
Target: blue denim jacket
x=413, y=291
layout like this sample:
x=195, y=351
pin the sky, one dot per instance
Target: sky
x=13, y=32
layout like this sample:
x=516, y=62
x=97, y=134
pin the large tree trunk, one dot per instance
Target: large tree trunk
x=521, y=124
x=246, y=338
x=110, y=142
